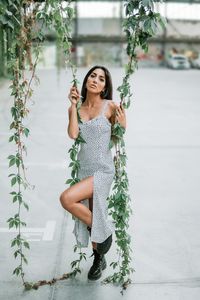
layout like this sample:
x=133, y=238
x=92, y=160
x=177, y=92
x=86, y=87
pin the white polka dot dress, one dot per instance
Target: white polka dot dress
x=96, y=160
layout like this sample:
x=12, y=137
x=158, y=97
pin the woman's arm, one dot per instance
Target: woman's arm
x=73, y=128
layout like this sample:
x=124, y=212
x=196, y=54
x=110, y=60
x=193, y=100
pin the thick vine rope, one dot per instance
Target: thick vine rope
x=19, y=26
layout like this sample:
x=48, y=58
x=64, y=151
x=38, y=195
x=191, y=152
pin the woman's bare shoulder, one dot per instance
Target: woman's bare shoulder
x=112, y=104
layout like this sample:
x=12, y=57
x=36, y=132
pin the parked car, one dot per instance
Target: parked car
x=178, y=61
x=195, y=62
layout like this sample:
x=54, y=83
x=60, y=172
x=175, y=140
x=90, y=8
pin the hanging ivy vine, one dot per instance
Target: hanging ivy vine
x=17, y=25
x=21, y=24
x=140, y=24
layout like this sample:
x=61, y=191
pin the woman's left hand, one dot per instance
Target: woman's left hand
x=120, y=115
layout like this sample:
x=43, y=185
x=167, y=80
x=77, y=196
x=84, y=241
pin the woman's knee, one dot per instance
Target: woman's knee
x=65, y=200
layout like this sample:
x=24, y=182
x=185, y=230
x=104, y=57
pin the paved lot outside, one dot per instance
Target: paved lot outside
x=163, y=147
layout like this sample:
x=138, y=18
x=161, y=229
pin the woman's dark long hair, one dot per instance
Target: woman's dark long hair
x=108, y=92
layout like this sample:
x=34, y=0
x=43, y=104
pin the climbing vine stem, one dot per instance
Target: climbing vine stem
x=22, y=23
x=19, y=51
x=140, y=24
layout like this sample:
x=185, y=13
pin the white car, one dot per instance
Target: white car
x=195, y=62
x=178, y=61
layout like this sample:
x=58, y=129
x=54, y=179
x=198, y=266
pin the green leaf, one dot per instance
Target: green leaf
x=39, y=15
x=13, y=243
x=19, y=198
x=11, y=224
x=11, y=138
x=13, y=193
x=14, y=111
x=73, y=174
x=26, y=132
x=111, y=144
x=73, y=264
x=110, y=205
x=26, y=244
x=26, y=205
x=13, y=181
x=19, y=179
x=25, y=260
x=80, y=139
x=9, y=13
x=78, y=271
x=75, y=248
x=147, y=2
x=69, y=181
x=70, y=12
x=16, y=223
x=11, y=156
x=17, y=270
x=17, y=161
x=16, y=253
x=12, y=162
x=15, y=198
x=73, y=154
x=10, y=175
x=9, y=219
x=23, y=223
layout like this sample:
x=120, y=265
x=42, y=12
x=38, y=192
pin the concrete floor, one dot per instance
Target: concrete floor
x=163, y=147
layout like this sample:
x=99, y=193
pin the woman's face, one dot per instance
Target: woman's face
x=96, y=81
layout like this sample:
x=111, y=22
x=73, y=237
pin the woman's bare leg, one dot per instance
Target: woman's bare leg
x=71, y=197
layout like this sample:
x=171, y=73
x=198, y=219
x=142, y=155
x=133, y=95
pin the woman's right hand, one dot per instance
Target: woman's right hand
x=74, y=95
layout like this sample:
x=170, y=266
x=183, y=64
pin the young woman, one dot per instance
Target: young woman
x=87, y=199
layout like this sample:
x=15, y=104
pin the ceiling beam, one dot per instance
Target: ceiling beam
x=122, y=39
x=175, y=1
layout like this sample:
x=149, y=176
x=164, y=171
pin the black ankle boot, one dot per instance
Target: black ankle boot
x=99, y=264
x=102, y=248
